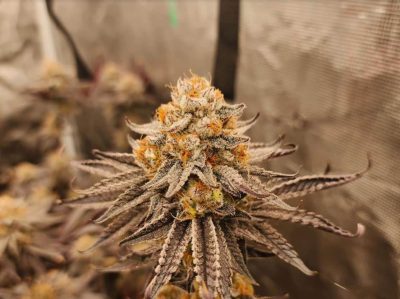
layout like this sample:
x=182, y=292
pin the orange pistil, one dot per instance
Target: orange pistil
x=193, y=93
x=231, y=123
x=142, y=155
x=215, y=126
x=170, y=291
x=161, y=113
x=241, y=153
x=200, y=187
x=213, y=159
x=185, y=156
x=219, y=96
x=198, y=82
x=242, y=287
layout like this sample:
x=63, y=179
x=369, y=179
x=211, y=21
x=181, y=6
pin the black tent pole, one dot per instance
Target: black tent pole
x=226, y=59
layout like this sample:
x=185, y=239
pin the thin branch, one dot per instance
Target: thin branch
x=83, y=70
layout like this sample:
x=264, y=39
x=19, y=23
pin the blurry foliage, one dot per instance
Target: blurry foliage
x=42, y=244
x=57, y=285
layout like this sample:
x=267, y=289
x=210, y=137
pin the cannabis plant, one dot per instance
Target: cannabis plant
x=27, y=246
x=34, y=231
x=55, y=284
x=58, y=86
x=123, y=86
x=191, y=196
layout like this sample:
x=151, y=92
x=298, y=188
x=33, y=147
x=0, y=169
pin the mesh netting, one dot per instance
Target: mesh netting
x=327, y=74
x=332, y=69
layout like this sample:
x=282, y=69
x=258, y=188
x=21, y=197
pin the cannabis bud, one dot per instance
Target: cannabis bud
x=25, y=226
x=191, y=197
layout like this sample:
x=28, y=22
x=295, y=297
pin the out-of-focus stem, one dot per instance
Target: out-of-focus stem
x=49, y=52
x=46, y=35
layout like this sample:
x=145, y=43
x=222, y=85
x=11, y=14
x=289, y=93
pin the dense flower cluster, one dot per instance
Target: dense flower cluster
x=191, y=198
x=39, y=240
x=24, y=228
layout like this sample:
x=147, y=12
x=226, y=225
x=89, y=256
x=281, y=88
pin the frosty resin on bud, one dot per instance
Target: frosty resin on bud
x=191, y=191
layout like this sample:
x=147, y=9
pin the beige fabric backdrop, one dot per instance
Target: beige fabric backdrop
x=326, y=73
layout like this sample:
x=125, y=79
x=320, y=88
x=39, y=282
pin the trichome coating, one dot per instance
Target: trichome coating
x=191, y=199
